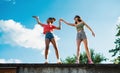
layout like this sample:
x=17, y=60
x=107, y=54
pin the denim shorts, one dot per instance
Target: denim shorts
x=81, y=35
x=49, y=36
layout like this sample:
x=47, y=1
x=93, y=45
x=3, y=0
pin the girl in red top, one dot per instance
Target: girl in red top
x=47, y=30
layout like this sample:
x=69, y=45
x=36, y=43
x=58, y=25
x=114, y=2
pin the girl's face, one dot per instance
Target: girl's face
x=49, y=21
x=76, y=19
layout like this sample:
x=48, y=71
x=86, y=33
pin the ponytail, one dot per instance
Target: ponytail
x=54, y=19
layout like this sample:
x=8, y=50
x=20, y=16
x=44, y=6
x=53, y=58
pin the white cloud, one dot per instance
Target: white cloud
x=13, y=33
x=10, y=61
x=118, y=21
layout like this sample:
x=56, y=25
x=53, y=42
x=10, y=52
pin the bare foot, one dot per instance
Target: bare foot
x=77, y=62
x=90, y=62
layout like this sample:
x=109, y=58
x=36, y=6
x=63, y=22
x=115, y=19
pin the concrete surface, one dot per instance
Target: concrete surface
x=61, y=68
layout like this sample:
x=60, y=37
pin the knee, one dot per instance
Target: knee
x=78, y=48
x=56, y=49
x=47, y=47
x=55, y=46
x=86, y=47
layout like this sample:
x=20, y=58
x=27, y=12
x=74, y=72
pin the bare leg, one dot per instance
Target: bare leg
x=78, y=50
x=55, y=47
x=47, y=42
x=87, y=50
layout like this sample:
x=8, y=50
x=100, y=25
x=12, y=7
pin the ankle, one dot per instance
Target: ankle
x=77, y=59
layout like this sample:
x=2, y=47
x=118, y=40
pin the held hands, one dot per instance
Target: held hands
x=61, y=20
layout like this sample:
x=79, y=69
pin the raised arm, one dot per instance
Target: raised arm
x=89, y=29
x=59, y=27
x=67, y=22
x=38, y=21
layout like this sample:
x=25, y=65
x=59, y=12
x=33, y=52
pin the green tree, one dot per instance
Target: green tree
x=116, y=60
x=116, y=50
x=117, y=42
x=96, y=57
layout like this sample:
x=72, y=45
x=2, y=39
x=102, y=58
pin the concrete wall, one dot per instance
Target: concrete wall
x=63, y=68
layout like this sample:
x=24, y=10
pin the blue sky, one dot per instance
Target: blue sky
x=17, y=26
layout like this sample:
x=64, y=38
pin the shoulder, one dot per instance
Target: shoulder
x=83, y=22
x=44, y=25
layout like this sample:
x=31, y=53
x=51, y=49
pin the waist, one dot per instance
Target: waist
x=80, y=30
x=48, y=33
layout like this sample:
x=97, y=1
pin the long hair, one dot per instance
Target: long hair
x=79, y=18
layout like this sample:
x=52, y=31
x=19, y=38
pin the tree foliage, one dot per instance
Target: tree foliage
x=117, y=43
x=116, y=50
x=96, y=57
x=117, y=60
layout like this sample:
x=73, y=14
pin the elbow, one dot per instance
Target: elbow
x=38, y=22
x=59, y=28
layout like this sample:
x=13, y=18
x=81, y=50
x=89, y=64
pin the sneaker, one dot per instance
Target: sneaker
x=46, y=62
x=59, y=62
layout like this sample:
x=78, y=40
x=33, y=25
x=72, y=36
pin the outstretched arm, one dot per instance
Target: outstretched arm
x=59, y=27
x=38, y=21
x=67, y=22
x=89, y=29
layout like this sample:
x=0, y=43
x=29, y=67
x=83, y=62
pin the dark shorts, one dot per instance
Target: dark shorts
x=81, y=35
x=49, y=36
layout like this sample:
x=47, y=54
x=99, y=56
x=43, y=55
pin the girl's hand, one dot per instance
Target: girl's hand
x=93, y=34
x=35, y=17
